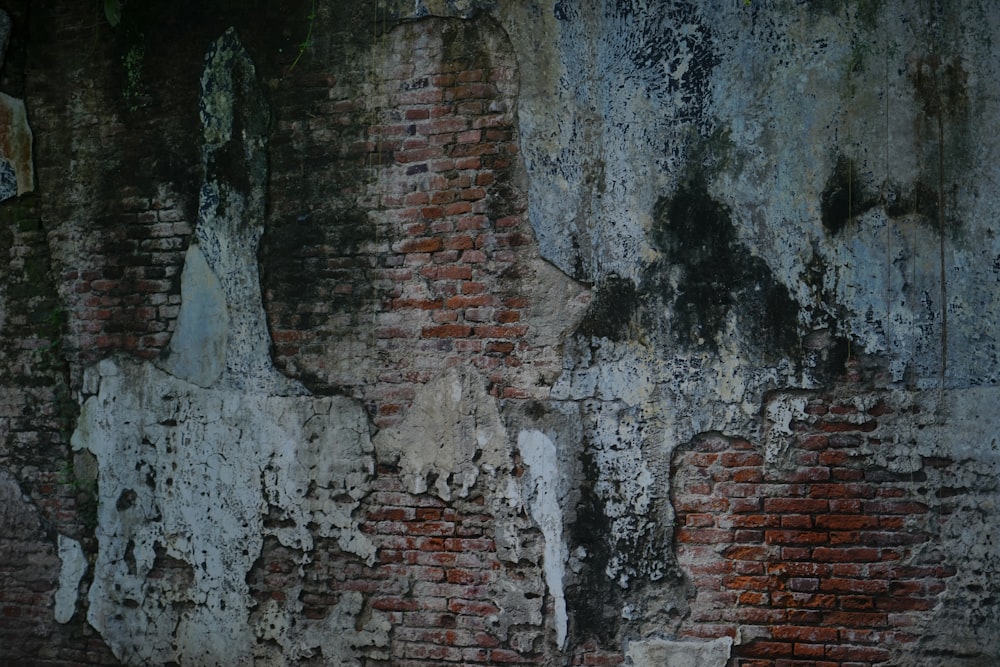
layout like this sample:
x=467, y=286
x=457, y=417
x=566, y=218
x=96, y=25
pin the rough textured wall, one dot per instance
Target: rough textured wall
x=492, y=332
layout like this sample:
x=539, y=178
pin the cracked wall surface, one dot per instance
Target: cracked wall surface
x=500, y=332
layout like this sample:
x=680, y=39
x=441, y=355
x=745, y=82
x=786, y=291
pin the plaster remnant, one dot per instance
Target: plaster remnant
x=232, y=209
x=74, y=566
x=662, y=652
x=337, y=638
x=541, y=491
x=450, y=434
x=780, y=412
x=17, y=176
x=17, y=170
x=198, y=345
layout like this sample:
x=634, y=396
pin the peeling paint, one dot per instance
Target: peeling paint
x=541, y=491
x=74, y=566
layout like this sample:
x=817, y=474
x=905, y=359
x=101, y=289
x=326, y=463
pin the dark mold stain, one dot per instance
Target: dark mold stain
x=845, y=197
x=564, y=10
x=536, y=410
x=718, y=275
x=610, y=312
x=594, y=599
x=921, y=199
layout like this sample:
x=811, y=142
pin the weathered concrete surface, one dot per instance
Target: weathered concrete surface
x=738, y=182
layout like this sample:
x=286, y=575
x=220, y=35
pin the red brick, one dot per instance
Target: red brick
x=766, y=649
x=806, y=600
x=740, y=459
x=861, y=586
x=855, y=619
x=803, y=650
x=846, y=521
x=506, y=656
x=842, y=491
x=845, y=554
x=394, y=604
x=704, y=535
x=795, y=537
x=795, y=505
x=457, y=576
x=472, y=607
x=754, y=553
x=860, y=653
x=478, y=301
x=447, y=331
x=745, y=583
x=805, y=634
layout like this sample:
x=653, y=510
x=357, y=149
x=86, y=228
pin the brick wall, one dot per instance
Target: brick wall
x=824, y=560
x=396, y=247
x=411, y=268
x=435, y=581
x=129, y=298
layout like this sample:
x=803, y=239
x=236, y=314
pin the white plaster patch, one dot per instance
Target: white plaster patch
x=451, y=433
x=664, y=653
x=191, y=464
x=198, y=345
x=74, y=566
x=337, y=637
x=541, y=489
x=17, y=176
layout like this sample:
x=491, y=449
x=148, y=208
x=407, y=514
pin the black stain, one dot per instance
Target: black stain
x=563, y=11
x=941, y=85
x=921, y=199
x=844, y=197
x=594, y=598
x=126, y=500
x=718, y=277
x=611, y=310
x=674, y=39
